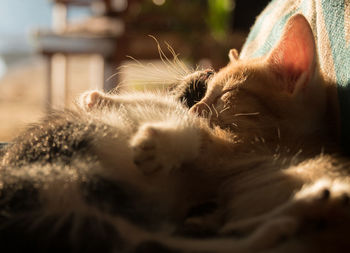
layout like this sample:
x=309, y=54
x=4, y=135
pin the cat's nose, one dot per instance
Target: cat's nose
x=200, y=109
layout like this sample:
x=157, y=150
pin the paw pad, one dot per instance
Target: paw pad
x=91, y=99
x=146, y=150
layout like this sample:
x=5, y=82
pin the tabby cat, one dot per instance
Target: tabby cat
x=103, y=178
x=140, y=173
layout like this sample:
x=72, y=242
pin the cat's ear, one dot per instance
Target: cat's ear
x=233, y=55
x=293, y=58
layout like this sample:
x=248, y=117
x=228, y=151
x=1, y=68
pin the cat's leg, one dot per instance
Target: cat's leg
x=324, y=200
x=263, y=238
x=271, y=233
x=165, y=146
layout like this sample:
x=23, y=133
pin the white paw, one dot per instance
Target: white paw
x=147, y=153
x=159, y=148
x=323, y=199
x=263, y=233
x=91, y=99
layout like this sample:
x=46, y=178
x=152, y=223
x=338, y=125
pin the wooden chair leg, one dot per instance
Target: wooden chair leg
x=110, y=75
x=96, y=72
x=59, y=81
x=48, y=100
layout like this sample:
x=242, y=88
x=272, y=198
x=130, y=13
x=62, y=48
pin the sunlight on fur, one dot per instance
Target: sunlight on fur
x=141, y=75
x=240, y=160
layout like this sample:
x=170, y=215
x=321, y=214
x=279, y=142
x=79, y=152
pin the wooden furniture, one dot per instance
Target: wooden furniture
x=133, y=21
x=60, y=42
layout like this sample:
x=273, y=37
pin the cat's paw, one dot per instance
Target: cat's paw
x=92, y=99
x=147, y=153
x=162, y=148
x=266, y=233
x=324, y=200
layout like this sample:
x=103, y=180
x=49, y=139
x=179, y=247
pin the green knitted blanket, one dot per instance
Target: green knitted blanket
x=330, y=22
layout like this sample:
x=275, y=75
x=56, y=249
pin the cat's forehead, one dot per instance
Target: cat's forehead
x=231, y=75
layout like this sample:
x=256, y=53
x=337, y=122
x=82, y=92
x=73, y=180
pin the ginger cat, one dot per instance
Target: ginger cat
x=281, y=108
x=281, y=97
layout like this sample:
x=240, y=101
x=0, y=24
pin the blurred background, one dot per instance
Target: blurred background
x=52, y=50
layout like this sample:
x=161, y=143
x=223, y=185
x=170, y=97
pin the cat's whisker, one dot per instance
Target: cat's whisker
x=295, y=157
x=163, y=56
x=142, y=67
x=150, y=69
x=216, y=112
x=210, y=113
x=119, y=70
x=166, y=71
x=176, y=59
x=145, y=82
x=115, y=90
x=135, y=60
x=152, y=65
x=155, y=75
x=176, y=66
x=171, y=66
x=225, y=109
x=246, y=114
x=112, y=76
x=137, y=68
x=173, y=69
x=149, y=81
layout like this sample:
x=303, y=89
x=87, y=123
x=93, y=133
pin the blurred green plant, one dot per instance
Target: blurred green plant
x=184, y=16
x=219, y=17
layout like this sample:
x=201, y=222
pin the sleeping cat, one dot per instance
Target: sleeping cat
x=282, y=109
x=281, y=103
x=75, y=171
x=272, y=118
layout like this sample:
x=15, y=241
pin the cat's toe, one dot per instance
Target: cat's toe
x=324, y=200
x=145, y=158
x=147, y=155
x=90, y=99
x=164, y=147
x=339, y=201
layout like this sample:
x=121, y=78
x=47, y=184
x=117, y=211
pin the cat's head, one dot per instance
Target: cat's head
x=277, y=97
